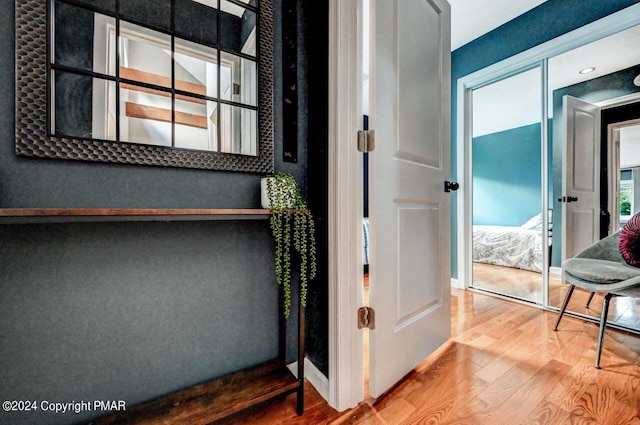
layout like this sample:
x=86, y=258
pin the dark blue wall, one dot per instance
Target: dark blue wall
x=547, y=21
x=131, y=311
x=506, y=176
x=314, y=54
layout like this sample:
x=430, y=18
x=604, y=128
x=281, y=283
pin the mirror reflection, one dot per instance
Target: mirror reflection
x=138, y=77
x=508, y=239
x=594, y=114
x=628, y=203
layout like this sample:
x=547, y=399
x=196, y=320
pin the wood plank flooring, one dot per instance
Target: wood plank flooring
x=527, y=285
x=503, y=365
x=523, y=284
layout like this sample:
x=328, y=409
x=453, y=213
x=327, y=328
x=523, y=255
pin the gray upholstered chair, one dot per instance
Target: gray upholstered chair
x=601, y=268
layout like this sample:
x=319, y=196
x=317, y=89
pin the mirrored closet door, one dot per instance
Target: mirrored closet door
x=508, y=241
x=598, y=174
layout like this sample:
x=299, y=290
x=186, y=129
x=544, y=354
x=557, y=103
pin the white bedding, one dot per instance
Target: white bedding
x=508, y=246
x=365, y=240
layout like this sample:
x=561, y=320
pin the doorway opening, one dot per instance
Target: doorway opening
x=621, y=151
x=627, y=139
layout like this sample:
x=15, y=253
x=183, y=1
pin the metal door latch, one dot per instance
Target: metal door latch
x=568, y=199
x=451, y=186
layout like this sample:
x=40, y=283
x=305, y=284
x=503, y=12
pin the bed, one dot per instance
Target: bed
x=519, y=247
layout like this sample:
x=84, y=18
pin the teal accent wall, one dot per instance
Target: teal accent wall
x=506, y=176
x=551, y=19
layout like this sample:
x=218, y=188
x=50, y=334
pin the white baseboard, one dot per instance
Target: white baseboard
x=455, y=283
x=555, y=271
x=314, y=376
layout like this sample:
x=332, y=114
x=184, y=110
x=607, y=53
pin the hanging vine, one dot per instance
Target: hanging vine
x=291, y=224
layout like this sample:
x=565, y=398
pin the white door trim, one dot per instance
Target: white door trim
x=603, y=27
x=346, y=342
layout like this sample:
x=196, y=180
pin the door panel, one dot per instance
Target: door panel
x=584, y=151
x=581, y=228
x=416, y=260
x=418, y=139
x=410, y=258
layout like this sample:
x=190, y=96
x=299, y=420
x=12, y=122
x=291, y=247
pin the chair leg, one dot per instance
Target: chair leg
x=589, y=300
x=603, y=325
x=564, y=305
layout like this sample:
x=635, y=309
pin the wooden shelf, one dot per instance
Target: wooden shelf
x=57, y=215
x=211, y=401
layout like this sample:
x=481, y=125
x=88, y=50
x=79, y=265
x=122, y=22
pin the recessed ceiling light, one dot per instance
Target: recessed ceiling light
x=636, y=80
x=587, y=70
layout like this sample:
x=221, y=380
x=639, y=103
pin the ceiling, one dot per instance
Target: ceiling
x=471, y=19
x=605, y=55
x=500, y=108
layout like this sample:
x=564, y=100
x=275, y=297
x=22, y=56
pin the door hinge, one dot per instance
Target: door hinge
x=366, y=140
x=366, y=318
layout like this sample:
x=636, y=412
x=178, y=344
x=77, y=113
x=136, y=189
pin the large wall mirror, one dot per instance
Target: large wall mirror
x=593, y=161
x=186, y=83
x=508, y=243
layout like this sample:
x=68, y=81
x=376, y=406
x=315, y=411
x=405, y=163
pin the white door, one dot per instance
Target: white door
x=409, y=210
x=580, y=198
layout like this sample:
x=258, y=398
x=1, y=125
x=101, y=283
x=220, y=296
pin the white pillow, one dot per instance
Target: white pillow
x=534, y=223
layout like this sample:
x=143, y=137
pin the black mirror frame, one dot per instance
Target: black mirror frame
x=32, y=132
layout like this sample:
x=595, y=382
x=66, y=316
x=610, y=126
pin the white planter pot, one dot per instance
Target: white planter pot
x=264, y=197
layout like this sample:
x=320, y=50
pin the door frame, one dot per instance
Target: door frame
x=603, y=27
x=346, y=341
x=464, y=210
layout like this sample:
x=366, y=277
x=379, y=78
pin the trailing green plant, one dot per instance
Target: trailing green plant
x=292, y=225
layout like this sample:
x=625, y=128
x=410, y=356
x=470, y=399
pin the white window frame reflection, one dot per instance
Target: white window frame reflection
x=238, y=122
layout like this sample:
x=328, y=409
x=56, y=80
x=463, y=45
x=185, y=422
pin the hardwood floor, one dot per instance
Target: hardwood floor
x=503, y=365
x=523, y=284
x=527, y=285
x=623, y=310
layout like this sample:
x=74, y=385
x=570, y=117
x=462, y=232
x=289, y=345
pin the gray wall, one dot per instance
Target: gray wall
x=128, y=311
